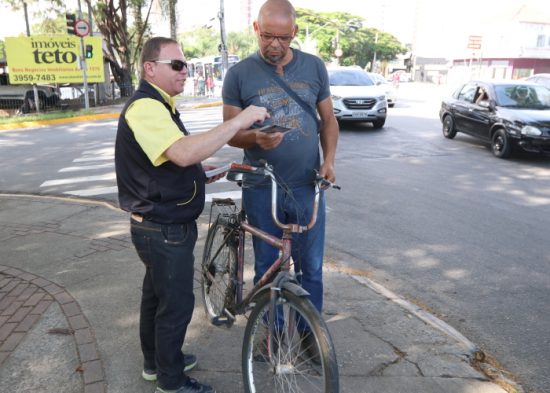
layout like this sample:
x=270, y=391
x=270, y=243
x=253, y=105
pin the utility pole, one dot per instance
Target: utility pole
x=223, y=45
x=34, y=89
x=83, y=64
x=372, y=69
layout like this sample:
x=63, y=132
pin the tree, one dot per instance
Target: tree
x=200, y=42
x=123, y=40
x=332, y=30
x=168, y=8
x=242, y=43
x=205, y=42
x=122, y=46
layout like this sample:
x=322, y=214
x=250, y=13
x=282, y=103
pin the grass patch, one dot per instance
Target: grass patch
x=44, y=116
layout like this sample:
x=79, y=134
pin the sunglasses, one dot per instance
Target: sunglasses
x=177, y=65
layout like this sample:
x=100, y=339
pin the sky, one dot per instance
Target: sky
x=435, y=27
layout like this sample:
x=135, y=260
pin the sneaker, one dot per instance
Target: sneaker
x=309, y=346
x=189, y=360
x=192, y=386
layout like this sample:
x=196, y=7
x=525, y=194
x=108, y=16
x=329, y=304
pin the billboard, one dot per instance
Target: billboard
x=46, y=59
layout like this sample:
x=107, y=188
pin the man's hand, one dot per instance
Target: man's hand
x=212, y=179
x=268, y=140
x=327, y=171
x=252, y=114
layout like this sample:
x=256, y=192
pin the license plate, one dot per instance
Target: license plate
x=360, y=114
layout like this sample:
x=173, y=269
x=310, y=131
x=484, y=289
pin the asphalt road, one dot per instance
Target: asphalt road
x=441, y=222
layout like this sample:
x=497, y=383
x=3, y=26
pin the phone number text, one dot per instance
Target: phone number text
x=34, y=78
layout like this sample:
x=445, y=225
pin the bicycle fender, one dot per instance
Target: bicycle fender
x=295, y=288
x=290, y=286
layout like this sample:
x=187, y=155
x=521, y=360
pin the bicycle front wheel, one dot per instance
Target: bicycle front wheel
x=219, y=270
x=296, y=361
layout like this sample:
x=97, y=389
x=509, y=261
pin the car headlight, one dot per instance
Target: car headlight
x=335, y=97
x=531, y=131
x=380, y=98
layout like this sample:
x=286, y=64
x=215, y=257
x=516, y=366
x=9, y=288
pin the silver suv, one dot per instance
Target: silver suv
x=356, y=97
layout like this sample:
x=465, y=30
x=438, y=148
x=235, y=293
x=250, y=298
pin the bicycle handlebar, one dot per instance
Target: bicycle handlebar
x=267, y=171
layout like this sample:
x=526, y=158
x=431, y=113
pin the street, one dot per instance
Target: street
x=441, y=222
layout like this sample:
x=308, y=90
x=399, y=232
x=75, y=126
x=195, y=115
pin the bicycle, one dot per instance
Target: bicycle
x=287, y=346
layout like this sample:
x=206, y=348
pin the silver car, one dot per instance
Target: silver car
x=356, y=97
x=387, y=87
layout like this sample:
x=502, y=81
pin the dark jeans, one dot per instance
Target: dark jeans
x=167, y=299
x=307, y=247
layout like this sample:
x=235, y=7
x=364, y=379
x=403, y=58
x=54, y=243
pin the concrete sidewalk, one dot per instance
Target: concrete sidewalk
x=69, y=305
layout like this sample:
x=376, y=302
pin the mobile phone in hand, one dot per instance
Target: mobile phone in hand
x=274, y=128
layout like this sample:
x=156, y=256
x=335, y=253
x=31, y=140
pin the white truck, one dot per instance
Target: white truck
x=22, y=97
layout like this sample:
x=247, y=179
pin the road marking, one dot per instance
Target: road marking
x=86, y=167
x=235, y=195
x=58, y=182
x=93, y=191
x=84, y=159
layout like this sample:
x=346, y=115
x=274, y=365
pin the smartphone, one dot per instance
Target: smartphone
x=274, y=128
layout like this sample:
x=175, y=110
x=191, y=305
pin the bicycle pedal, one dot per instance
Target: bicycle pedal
x=223, y=321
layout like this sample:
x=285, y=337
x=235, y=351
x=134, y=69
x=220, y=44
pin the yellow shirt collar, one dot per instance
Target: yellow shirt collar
x=170, y=100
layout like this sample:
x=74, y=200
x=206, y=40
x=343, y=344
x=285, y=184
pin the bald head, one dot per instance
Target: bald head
x=276, y=9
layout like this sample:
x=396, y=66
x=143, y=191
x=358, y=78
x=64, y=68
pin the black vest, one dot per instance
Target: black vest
x=168, y=193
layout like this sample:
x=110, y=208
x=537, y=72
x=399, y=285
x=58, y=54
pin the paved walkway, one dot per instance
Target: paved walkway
x=69, y=306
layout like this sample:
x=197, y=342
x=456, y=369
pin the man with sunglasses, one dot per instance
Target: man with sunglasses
x=161, y=183
x=295, y=154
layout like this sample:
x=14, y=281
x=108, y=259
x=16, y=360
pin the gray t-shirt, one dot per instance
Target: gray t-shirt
x=246, y=84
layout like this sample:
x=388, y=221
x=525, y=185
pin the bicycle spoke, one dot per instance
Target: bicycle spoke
x=218, y=271
x=287, y=367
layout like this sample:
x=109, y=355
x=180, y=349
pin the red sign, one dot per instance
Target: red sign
x=81, y=28
x=474, y=42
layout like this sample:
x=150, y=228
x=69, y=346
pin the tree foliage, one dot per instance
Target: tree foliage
x=124, y=25
x=328, y=31
x=205, y=42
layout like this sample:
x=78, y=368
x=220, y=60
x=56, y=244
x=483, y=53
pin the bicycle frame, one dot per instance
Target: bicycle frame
x=284, y=244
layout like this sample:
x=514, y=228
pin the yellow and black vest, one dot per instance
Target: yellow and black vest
x=166, y=194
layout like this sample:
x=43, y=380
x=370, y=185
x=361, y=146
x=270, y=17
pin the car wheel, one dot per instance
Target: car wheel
x=449, y=130
x=501, y=144
x=378, y=123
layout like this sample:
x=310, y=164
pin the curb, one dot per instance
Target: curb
x=31, y=297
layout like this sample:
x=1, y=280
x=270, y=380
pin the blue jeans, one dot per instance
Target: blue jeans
x=307, y=247
x=167, y=298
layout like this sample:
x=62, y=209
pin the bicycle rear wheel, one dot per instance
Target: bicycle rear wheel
x=293, y=364
x=219, y=270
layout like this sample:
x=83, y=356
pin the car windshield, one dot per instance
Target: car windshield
x=522, y=96
x=349, y=78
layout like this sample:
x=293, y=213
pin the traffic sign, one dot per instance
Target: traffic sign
x=81, y=28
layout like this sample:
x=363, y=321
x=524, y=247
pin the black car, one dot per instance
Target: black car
x=507, y=114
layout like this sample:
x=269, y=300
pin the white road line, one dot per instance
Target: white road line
x=235, y=195
x=93, y=191
x=87, y=167
x=100, y=151
x=104, y=158
x=58, y=182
